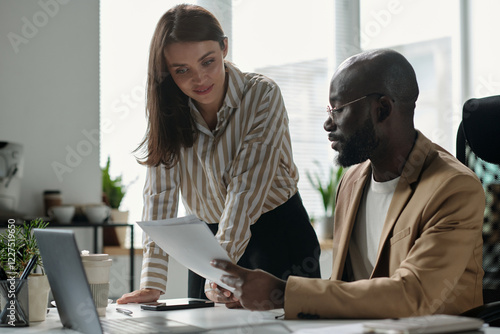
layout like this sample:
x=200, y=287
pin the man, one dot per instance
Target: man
x=407, y=236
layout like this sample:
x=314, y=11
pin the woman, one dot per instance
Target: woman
x=221, y=138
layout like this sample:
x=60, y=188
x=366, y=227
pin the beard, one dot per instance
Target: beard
x=358, y=147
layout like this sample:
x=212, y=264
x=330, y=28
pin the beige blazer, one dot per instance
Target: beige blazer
x=430, y=252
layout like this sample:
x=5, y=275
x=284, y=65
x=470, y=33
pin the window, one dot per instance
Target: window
x=296, y=44
x=430, y=45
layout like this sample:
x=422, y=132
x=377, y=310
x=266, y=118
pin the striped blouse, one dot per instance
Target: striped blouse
x=231, y=175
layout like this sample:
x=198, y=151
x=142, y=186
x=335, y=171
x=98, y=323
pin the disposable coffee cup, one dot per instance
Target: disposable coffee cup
x=97, y=268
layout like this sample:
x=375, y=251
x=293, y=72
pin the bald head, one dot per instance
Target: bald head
x=378, y=71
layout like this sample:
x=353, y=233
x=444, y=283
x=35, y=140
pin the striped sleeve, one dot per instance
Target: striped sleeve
x=161, y=197
x=254, y=168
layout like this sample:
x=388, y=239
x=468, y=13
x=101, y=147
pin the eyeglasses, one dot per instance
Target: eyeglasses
x=331, y=111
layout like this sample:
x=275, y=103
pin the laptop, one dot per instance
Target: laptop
x=71, y=291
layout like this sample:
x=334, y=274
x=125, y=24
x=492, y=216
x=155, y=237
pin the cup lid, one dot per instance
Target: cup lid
x=94, y=257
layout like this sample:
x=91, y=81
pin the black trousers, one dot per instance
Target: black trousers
x=283, y=243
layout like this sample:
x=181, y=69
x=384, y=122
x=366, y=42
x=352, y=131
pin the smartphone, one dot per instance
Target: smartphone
x=177, y=304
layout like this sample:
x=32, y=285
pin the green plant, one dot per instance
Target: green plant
x=18, y=245
x=327, y=190
x=113, y=189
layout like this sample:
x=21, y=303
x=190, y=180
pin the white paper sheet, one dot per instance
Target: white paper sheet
x=190, y=242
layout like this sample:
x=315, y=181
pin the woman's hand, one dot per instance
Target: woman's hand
x=220, y=295
x=140, y=296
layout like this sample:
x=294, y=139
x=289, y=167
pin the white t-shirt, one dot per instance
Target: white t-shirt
x=365, y=239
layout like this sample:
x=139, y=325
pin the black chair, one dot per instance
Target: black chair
x=478, y=147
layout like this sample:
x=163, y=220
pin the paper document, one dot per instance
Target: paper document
x=189, y=241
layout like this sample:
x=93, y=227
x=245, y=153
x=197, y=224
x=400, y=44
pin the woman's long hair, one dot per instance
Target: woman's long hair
x=170, y=124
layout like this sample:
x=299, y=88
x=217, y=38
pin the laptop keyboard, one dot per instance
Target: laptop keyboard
x=132, y=326
x=122, y=326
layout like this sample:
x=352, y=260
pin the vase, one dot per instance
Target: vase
x=324, y=227
x=121, y=217
x=38, y=296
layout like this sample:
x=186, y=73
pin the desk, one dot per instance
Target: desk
x=95, y=227
x=213, y=317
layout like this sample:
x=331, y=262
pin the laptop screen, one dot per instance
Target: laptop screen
x=68, y=282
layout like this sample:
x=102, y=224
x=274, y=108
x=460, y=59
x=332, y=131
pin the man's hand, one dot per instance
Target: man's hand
x=140, y=296
x=255, y=289
x=220, y=295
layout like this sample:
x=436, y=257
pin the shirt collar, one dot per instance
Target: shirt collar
x=235, y=86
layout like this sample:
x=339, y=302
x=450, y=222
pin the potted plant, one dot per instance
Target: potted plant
x=113, y=191
x=17, y=246
x=328, y=193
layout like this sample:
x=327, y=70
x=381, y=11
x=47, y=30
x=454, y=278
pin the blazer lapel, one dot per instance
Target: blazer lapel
x=403, y=192
x=343, y=227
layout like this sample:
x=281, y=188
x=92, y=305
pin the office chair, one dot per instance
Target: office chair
x=478, y=147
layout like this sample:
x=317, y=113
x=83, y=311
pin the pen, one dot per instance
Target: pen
x=29, y=267
x=124, y=311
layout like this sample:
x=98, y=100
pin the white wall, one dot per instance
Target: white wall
x=49, y=96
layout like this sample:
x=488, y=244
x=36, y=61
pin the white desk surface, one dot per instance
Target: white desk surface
x=212, y=317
